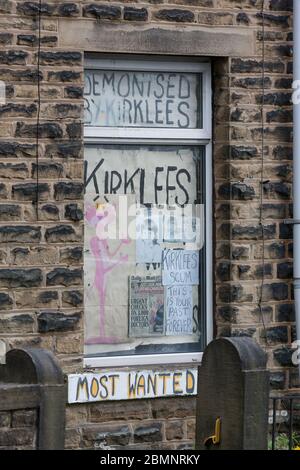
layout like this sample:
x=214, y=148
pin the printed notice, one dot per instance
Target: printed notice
x=146, y=314
x=180, y=268
x=179, y=310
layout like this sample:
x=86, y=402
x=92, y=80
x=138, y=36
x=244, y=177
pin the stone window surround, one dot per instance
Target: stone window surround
x=190, y=42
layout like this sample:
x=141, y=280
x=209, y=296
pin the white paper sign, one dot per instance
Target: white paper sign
x=180, y=268
x=179, y=310
x=141, y=99
x=129, y=385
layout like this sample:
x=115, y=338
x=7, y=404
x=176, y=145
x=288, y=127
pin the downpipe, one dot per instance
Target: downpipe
x=296, y=169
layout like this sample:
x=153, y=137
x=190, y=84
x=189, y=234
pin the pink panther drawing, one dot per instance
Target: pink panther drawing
x=105, y=261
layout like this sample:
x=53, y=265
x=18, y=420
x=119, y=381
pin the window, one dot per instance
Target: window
x=147, y=254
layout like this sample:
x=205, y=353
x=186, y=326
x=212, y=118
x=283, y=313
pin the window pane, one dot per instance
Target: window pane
x=144, y=249
x=142, y=99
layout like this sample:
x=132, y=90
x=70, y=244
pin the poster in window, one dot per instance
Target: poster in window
x=146, y=306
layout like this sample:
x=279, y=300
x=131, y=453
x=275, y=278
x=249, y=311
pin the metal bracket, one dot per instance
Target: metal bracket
x=216, y=438
x=291, y=221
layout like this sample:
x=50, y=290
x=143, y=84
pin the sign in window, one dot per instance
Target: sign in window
x=145, y=253
x=142, y=99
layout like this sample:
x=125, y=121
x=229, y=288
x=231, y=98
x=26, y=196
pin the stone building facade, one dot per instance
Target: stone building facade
x=249, y=43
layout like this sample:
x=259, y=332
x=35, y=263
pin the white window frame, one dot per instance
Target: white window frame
x=156, y=136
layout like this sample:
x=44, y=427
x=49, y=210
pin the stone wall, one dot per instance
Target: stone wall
x=41, y=229
x=167, y=423
x=18, y=430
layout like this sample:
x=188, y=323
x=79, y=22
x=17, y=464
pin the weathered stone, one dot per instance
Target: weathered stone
x=173, y=408
x=251, y=82
x=102, y=12
x=60, y=233
x=6, y=302
x=174, y=430
x=109, y=435
x=73, y=92
x=20, y=277
x=274, y=211
x=30, y=191
x=272, y=20
x=16, y=437
x=151, y=432
x=279, y=189
x=27, y=75
x=23, y=418
x=69, y=344
x=239, y=191
x=74, y=130
x=73, y=297
x=282, y=153
x=135, y=14
x=60, y=58
x=47, y=130
x=13, y=57
x=17, y=323
x=35, y=299
x=243, y=332
x=275, y=291
x=281, y=5
x=234, y=293
x=64, y=76
x=285, y=270
x=3, y=191
x=34, y=8
x=106, y=411
x=224, y=271
x=68, y=9
x=6, y=6
x=71, y=255
x=63, y=276
x=5, y=419
x=284, y=356
x=13, y=170
x=275, y=99
x=10, y=212
x=19, y=233
x=253, y=232
x=285, y=313
x=240, y=252
x=177, y=15
x=56, y=321
x=254, y=66
x=47, y=170
x=6, y=38
x=16, y=149
x=243, y=18
x=64, y=150
x=73, y=212
x=63, y=190
x=285, y=231
x=39, y=255
x=61, y=110
x=277, y=380
x=276, y=334
x=50, y=212
x=228, y=313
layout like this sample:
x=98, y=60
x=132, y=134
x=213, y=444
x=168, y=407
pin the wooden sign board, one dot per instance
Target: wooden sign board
x=131, y=385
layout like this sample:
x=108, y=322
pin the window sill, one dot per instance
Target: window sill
x=143, y=360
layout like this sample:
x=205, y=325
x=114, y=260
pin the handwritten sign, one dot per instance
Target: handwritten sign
x=141, y=99
x=130, y=385
x=180, y=267
x=179, y=310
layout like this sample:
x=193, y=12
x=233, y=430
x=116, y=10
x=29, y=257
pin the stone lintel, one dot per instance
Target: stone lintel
x=92, y=36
